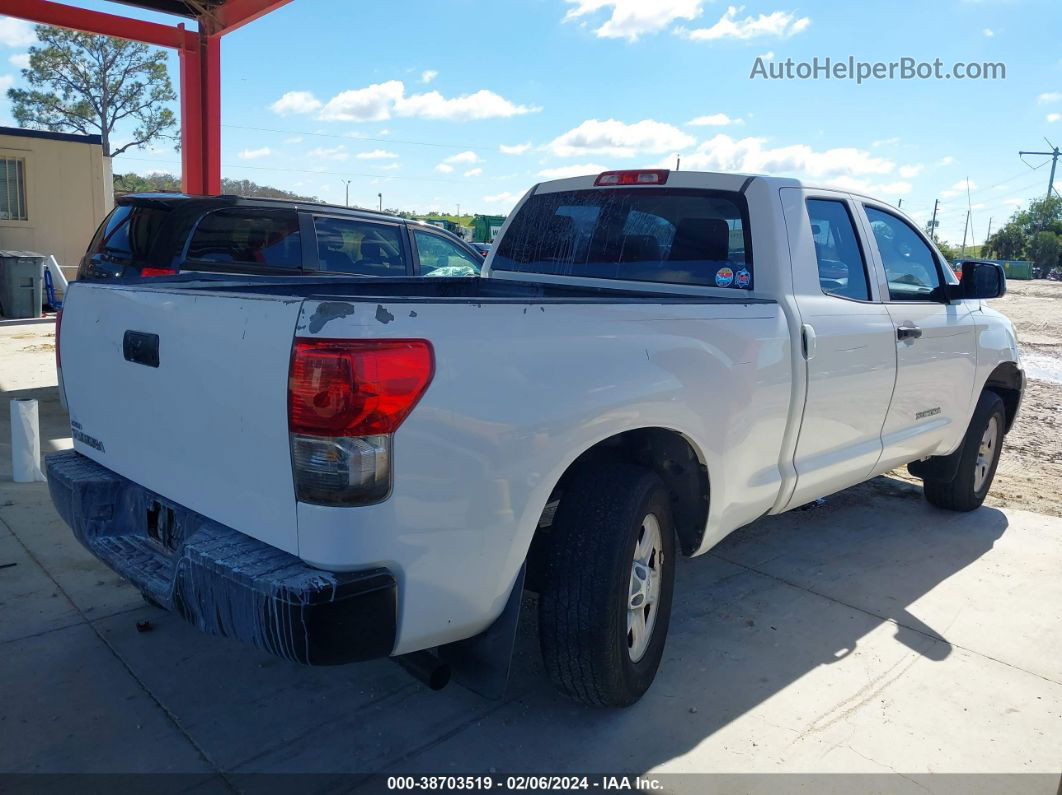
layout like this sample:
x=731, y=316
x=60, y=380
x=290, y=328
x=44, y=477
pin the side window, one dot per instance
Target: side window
x=842, y=267
x=248, y=237
x=442, y=257
x=350, y=245
x=909, y=263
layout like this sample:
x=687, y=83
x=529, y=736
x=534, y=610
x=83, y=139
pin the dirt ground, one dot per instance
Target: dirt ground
x=1030, y=469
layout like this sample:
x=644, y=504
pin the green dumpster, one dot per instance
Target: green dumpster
x=21, y=284
x=1017, y=269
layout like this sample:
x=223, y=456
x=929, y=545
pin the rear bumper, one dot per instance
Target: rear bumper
x=220, y=580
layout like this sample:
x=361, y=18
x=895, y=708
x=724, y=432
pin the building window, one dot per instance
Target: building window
x=13, y=189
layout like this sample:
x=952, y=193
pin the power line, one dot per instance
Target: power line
x=1054, y=155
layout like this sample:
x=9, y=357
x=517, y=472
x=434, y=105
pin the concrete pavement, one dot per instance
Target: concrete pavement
x=873, y=634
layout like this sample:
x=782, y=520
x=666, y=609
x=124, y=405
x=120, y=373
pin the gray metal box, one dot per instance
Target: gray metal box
x=21, y=284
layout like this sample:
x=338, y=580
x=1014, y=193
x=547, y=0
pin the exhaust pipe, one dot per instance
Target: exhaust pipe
x=426, y=667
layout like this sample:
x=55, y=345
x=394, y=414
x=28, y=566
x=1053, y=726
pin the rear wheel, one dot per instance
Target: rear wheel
x=606, y=600
x=977, y=463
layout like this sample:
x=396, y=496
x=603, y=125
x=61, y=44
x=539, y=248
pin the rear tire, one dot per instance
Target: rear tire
x=977, y=463
x=610, y=571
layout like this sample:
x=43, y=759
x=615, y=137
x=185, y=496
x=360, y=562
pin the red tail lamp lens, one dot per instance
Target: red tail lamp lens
x=149, y=273
x=356, y=387
x=655, y=176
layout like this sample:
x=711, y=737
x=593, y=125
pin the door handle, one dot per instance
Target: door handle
x=908, y=332
x=807, y=340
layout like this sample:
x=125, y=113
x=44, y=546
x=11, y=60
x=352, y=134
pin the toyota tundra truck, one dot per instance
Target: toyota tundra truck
x=341, y=469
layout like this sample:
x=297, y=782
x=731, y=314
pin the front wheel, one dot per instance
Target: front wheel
x=977, y=462
x=606, y=600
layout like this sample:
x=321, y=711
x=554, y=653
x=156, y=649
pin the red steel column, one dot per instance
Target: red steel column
x=210, y=48
x=191, y=120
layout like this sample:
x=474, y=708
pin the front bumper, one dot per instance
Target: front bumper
x=220, y=580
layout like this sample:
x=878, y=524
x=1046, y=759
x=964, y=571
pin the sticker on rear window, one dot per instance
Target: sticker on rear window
x=724, y=277
x=743, y=279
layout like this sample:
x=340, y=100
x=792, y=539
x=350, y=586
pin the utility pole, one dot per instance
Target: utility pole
x=380, y=197
x=900, y=205
x=459, y=209
x=933, y=223
x=964, y=232
x=346, y=197
x=989, y=233
x=1053, y=154
x=678, y=162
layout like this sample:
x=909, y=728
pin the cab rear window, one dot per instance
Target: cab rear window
x=673, y=236
x=127, y=234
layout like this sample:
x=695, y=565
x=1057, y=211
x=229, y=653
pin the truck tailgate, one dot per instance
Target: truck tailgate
x=205, y=427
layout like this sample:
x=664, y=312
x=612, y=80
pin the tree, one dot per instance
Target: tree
x=168, y=183
x=1045, y=250
x=86, y=83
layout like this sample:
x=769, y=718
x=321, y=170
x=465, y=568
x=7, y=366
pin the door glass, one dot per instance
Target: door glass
x=842, y=269
x=909, y=263
x=348, y=245
x=267, y=238
x=442, y=257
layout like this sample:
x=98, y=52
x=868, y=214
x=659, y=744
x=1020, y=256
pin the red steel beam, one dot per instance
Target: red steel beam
x=210, y=66
x=47, y=12
x=191, y=120
x=235, y=14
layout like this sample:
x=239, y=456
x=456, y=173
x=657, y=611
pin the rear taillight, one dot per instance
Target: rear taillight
x=153, y=273
x=58, y=353
x=346, y=398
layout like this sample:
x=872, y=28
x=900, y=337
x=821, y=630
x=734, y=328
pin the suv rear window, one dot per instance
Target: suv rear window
x=675, y=236
x=128, y=232
x=248, y=237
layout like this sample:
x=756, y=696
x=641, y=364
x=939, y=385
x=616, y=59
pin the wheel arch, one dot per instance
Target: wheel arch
x=669, y=453
x=1007, y=381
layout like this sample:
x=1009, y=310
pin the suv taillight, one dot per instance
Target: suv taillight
x=346, y=398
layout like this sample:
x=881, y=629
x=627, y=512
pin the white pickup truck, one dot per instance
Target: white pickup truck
x=342, y=469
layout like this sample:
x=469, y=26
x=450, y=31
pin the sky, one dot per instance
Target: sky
x=470, y=103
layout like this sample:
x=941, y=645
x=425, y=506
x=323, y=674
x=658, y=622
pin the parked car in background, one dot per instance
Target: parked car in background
x=340, y=469
x=152, y=235
x=482, y=248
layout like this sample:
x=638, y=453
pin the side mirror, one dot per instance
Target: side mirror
x=983, y=280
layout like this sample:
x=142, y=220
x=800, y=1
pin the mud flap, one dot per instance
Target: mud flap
x=481, y=663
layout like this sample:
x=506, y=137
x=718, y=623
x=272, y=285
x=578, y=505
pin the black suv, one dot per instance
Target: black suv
x=161, y=234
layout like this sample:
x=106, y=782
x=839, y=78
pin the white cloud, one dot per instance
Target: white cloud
x=428, y=75
x=473, y=172
x=515, y=149
x=463, y=157
x=1049, y=97
x=296, y=102
x=630, y=19
x=767, y=56
x=504, y=200
x=21, y=60
x=16, y=33
x=947, y=160
x=376, y=154
x=863, y=186
x=381, y=101
x=578, y=170
x=1015, y=202
x=444, y=168
x=255, y=154
x=372, y=103
x=296, y=140
x=911, y=171
x=482, y=104
x=1053, y=117
x=6, y=81
x=751, y=155
x=777, y=24
x=390, y=167
x=617, y=139
x=885, y=142
x=957, y=188
x=713, y=120
x=329, y=153
x=988, y=32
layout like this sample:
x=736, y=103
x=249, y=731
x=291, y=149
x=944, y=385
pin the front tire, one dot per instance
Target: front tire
x=977, y=463
x=605, y=605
